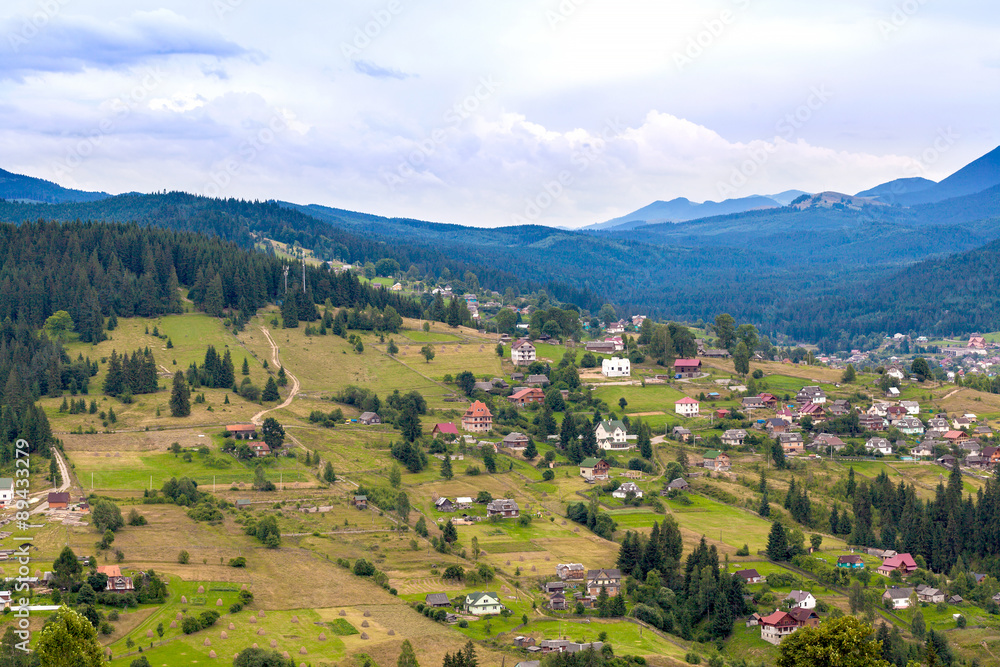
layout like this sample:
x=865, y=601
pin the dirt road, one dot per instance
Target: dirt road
x=259, y=417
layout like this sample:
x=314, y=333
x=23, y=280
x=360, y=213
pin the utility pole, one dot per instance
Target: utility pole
x=303, y=274
x=286, y=277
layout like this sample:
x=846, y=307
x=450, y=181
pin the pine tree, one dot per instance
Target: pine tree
x=246, y=367
x=113, y=383
x=645, y=442
x=180, y=396
x=270, y=392
x=777, y=543
x=531, y=451
x=446, y=467
x=282, y=378
x=328, y=475
x=851, y=485
x=225, y=376
x=407, y=657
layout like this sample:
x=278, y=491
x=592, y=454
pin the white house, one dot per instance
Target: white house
x=910, y=426
x=912, y=407
x=686, y=407
x=801, y=600
x=616, y=367
x=900, y=597
x=624, y=490
x=6, y=491
x=880, y=445
x=611, y=434
x=481, y=604
x=895, y=372
x=522, y=352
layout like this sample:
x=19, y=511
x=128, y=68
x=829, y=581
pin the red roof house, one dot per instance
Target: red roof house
x=444, y=429
x=902, y=562
x=478, y=418
x=687, y=367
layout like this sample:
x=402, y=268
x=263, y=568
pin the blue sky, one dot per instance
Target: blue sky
x=560, y=112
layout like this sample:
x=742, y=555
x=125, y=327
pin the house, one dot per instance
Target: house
x=5, y=600
x=872, y=422
x=930, y=595
x=840, y=408
x=734, y=437
x=608, y=579
x=524, y=642
x=446, y=430
x=770, y=400
x=241, y=431
x=687, y=368
x=948, y=461
x=483, y=386
x=899, y=597
x=902, y=562
x=260, y=449
x=616, y=367
x=892, y=392
x=801, y=599
x=851, y=561
x=910, y=426
x=895, y=372
x=515, y=440
x=526, y=396
x=722, y=413
x=626, y=488
x=686, y=407
x=242, y=503
x=480, y=604
x=812, y=410
x=681, y=434
x=894, y=412
x=554, y=587
x=593, y=468
x=955, y=599
x=557, y=601
x=775, y=627
x=437, y=600
x=537, y=380
x=791, y=443
x=503, y=507
x=750, y=576
x=6, y=491
x=715, y=460
x=360, y=502
x=828, y=441
x=753, y=403
x=811, y=394
x=922, y=450
x=611, y=434
x=806, y=618
x=478, y=418
x=463, y=502
x=956, y=437
x=58, y=500
x=753, y=620
x=679, y=484
x=369, y=418
x=117, y=582
x=571, y=571
x=879, y=446
x=444, y=505
x=788, y=415
x=912, y=407
x=522, y=352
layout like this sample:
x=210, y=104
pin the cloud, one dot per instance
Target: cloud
x=75, y=43
x=371, y=69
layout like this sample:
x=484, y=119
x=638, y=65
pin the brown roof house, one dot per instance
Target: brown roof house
x=58, y=500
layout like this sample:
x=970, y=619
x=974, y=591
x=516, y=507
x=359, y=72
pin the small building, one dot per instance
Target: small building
x=522, y=352
x=526, y=396
x=750, y=576
x=679, y=484
x=515, y=440
x=806, y=618
x=775, y=627
x=437, y=600
x=687, y=368
x=58, y=500
x=753, y=403
x=616, y=367
x=716, y=460
x=608, y=579
x=929, y=595
x=241, y=431
x=734, y=437
x=481, y=604
x=503, y=507
x=360, y=502
x=6, y=491
x=898, y=597
x=243, y=503
x=478, y=418
x=593, y=468
x=902, y=562
x=801, y=599
x=851, y=562
x=369, y=418
x=444, y=505
x=626, y=488
x=260, y=448
x=538, y=381
x=446, y=430
x=681, y=434
x=686, y=407
x=557, y=601
x=571, y=571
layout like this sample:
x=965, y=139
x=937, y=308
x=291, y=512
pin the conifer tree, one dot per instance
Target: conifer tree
x=446, y=471
x=180, y=396
x=246, y=367
x=270, y=392
x=282, y=378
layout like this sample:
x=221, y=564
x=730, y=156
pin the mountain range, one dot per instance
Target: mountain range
x=778, y=266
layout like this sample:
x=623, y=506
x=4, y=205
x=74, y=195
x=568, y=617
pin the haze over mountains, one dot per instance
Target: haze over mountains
x=830, y=268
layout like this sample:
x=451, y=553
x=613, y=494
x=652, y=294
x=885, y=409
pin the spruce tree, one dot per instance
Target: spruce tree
x=645, y=442
x=180, y=396
x=282, y=378
x=270, y=392
x=777, y=543
x=328, y=475
x=225, y=377
x=246, y=367
x=531, y=451
x=446, y=467
x=113, y=380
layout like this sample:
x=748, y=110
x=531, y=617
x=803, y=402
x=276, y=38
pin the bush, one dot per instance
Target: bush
x=454, y=572
x=190, y=625
x=743, y=551
x=363, y=568
x=548, y=475
x=235, y=608
x=693, y=658
x=463, y=623
x=183, y=557
x=239, y=561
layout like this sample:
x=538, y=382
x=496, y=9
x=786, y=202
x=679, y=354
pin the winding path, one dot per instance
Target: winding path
x=259, y=417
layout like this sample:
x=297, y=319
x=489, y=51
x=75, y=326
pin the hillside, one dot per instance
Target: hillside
x=682, y=209
x=976, y=176
x=16, y=187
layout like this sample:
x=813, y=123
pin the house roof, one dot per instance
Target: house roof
x=437, y=598
x=367, y=415
x=478, y=409
x=678, y=483
x=798, y=596
x=478, y=597
x=713, y=454
x=515, y=437
x=750, y=573
x=775, y=618
x=687, y=362
x=800, y=615
x=612, y=424
x=849, y=558
x=604, y=573
x=590, y=462
x=687, y=400
x=502, y=505
x=898, y=593
x=525, y=392
x=441, y=501
x=234, y=428
x=59, y=497
x=898, y=560
x=522, y=342
x=446, y=427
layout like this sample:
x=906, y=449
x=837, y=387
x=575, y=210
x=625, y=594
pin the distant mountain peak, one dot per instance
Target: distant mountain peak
x=17, y=187
x=682, y=209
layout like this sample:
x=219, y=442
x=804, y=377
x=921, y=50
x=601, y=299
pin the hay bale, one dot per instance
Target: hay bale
x=343, y=613
x=508, y=563
x=243, y=587
x=224, y=635
x=184, y=599
x=211, y=654
x=274, y=643
x=521, y=559
x=173, y=624
x=303, y=651
x=295, y=619
x=218, y=603
x=201, y=589
x=253, y=619
x=322, y=637
x=364, y=635
x=149, y=633
x=207, y=642
x=179, y=616
x=533, y=568
x=255, y=645
x=392, y=633
x=262, y=632
x=285, y=655
x=232, y=626
x=367, y=613
x=261, y=614
x=364, y=624
x=576, y=530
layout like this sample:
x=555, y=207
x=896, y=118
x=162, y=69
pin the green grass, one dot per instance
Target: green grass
x=626, y=638
x=429, y=336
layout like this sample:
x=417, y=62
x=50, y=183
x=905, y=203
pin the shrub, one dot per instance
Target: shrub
x=235, y=608
x=239, y=561
x=693, y=658
x=548, y=475
x=183, y=557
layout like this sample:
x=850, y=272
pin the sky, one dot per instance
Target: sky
x=487, y=112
